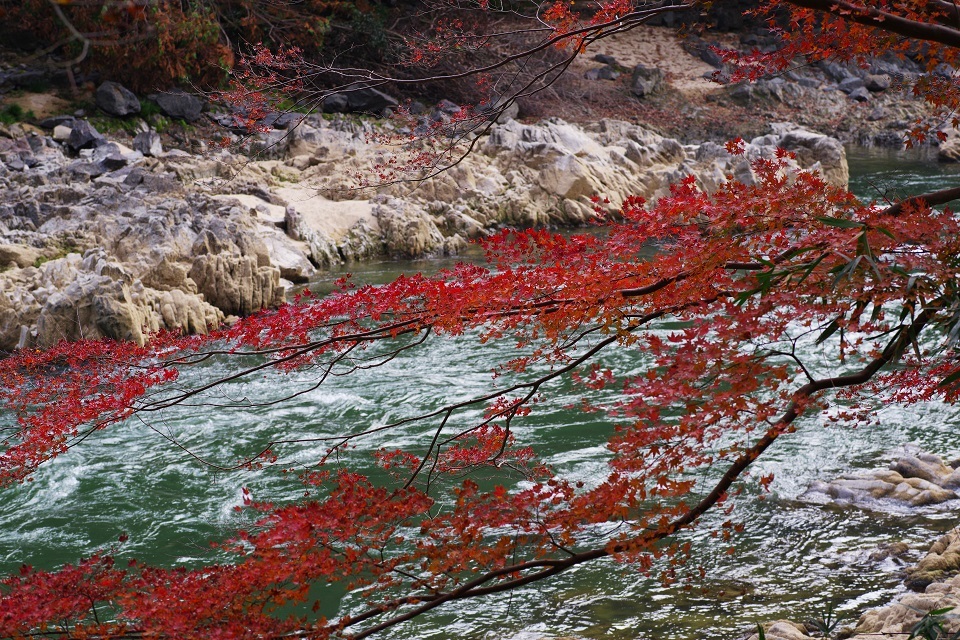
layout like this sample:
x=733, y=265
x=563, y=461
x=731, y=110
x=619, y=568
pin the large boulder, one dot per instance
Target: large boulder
x=877, y=82
x=84, y=136
x=937, y=578
x=815, y=151
x=406, y=229
x=949, y=150
x=941, y=562
x=19, y=255
x=180, y=104
x=782, y=630
x=93, y=297
x=646, y=81
x=359, y=99
x=116, y=100
x=148, y=143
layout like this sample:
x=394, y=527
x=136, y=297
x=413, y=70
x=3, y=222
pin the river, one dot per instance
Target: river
x=793, y=560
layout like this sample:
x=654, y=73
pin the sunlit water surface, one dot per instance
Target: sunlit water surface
x=793, y=559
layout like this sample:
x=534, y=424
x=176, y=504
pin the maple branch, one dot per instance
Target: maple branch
x=392, y=330
x=475, y=587
x=623, y=23
x=873, y=17
x=932, y=199
x=74, y=33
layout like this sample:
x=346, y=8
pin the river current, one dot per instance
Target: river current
x=793, y=560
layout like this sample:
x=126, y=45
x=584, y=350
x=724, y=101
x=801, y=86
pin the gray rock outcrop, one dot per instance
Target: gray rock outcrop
x=937, y=579
x=121, y=242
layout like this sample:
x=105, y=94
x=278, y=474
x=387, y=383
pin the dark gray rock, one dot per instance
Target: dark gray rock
x=834, y=71
x=113, y=162
x=359, y=99
x=160, y=183
x=859, y=94
x=336, y=103
x=148, y=143
x=82, y=171
x=765, y=92
x=135, y=177
x=53, y=121
x=448, y=107
x=84, y=136
x=877, y=82
x=646, y=81
x=287, y=120
x=369, y=100
x=602, y=73
x=116, y=100
x=710, y=56
x=605, y=59
x=229, y=121
x=849, y=85
x=891, y=139
x=20, y=78
x=180, y=104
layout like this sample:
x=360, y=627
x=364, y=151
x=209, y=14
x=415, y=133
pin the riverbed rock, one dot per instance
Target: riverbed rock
x=915, y=479
x=407, y=230
x=237, y=285
x=937, y=579
x=92, y=297
x=782, y=630
x=942, y=561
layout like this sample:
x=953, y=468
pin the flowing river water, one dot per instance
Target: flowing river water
x=793, y=560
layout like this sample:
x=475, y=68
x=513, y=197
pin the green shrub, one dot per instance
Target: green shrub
x=12, y=113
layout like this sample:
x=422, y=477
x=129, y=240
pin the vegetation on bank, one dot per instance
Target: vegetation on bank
x=194, y=42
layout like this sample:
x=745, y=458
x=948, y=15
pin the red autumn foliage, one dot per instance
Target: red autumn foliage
x=744, y=275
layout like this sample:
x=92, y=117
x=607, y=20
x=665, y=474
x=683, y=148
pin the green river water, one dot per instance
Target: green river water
x=793, y=559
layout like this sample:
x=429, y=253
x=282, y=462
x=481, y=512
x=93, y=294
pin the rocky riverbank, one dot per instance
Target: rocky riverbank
x=98, y=239
x=914, y=482
x=896, y=620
